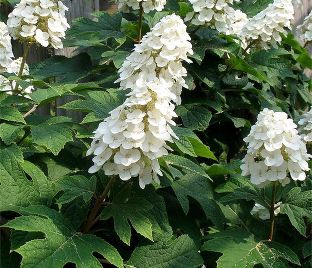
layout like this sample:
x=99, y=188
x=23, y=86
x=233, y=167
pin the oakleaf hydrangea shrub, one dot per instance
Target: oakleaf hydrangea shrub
x=177, y=134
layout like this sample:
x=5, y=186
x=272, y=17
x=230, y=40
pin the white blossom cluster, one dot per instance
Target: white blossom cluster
x=129, y=142
x=305, y=29
x=217, y=14
x=267, y=26
x=147, y=5
x=13, y=68
x=263, y=213
x=275, y=150
x=6, y=53
x=306, y=126
x=39, y=21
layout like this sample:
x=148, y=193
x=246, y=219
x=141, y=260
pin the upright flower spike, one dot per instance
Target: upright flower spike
x=275, y=150
x=267, y=26
x=305, y=124
x=39, y=21
x=129, y=142
x=217, y=14
x=13, y=68
x=147, y=5
x=6, y=53
x=305, y=29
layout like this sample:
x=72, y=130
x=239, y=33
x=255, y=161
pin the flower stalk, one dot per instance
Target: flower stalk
x=140, y=23
x=92, y=218
x=272, y=209
x=21, y=69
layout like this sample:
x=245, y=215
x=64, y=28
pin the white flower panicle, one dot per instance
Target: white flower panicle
x=305, y=29
x=275, y=150
x=13, y=68
x=267, y=26
x=263, y=213
x=6, y=53
x=39, y=21
x=129, y=142
x=147, y=5
x=217, y=14
x=305, y=124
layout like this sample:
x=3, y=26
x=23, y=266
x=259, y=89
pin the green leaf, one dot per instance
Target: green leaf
x=74, y=187
x=190, y=144
x=47, y=94
x=170, y=252
x=11, y=114
x=253, y=7
x=198, y=187
x=66, y=70
x=8, y=133
x=194, y=117
x=297, y=205
x=61, y=245
x=86, y=32
x=185, y=164
x=53, y=137
x=242, y=249
x=133, y=210
x=99, y=103
x=16, y=190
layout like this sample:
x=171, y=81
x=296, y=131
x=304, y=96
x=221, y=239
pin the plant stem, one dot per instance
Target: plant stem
x=272, y=215
x=21, y=69
x=31, y=111
x=140, y=22
x=92, y=218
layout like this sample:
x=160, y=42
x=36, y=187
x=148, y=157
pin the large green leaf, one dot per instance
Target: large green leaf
x=16, y=190
x=185, y=164
x=55, y=91
x=52, y=134
x=241, y=249
x=194, y=117
x=297, y=205
x=170, y=252
x=190, y=144
x=61, y=245
x=87, y=32
x=134, y=210
x=198, y=187
x=8, y=133
x=75, y=186
x=11, y=114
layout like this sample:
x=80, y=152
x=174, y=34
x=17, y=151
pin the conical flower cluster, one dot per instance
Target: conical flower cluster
x=263, y=213
x=129, y=142
x=6, y=53
x=306, y=126
x=217, y=14
x=275, y=150
x=39, y=21
x=147, y=5
x=305, y=29
x=13, y=68
x=268, y=25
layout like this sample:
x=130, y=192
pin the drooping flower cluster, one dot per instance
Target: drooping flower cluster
x=6, y=53
x=147, y=5
x=39, y=21
x=275, y=150
x=217, y=14
x=305, y=29
x=263, y=213
x=13, y=68
x=306, y=126
x=267, y=26
x=129, y=142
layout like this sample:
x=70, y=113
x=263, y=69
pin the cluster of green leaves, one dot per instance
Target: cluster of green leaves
x=200, y=212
